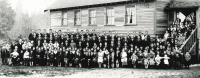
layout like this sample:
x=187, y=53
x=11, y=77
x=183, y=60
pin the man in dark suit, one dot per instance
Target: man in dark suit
x=19, y=45
x=62, y=39
x=50, y=33
x=3, y=55
x=44, y=33
x=148, y=39
x=38, y=32
x=30, y=37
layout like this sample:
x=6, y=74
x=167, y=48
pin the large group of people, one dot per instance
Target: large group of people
x=103, y=50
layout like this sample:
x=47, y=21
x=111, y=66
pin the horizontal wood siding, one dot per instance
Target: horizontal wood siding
x=70, y=15
x=144, y=19
x=145, y=15
x=100, y=16
x=85, y=17
x=119, y=15
x=161, y=19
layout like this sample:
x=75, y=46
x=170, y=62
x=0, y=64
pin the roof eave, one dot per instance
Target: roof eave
x=131, y=1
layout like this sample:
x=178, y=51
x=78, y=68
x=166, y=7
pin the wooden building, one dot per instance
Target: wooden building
x=190, y=8
x=110, y=15
x=125, y=16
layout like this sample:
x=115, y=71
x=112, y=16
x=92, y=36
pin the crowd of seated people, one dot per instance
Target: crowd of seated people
x=92, y=49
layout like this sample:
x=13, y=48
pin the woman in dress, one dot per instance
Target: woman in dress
x=51, y=58
x=151, y=58
x=94, y=58
x=112, y=58
x=31, y=58
x=157, y=60
x=140, y=58
x=66, y=56
x=118, y=60
x=59, y=57
x=166, y=61
x=15, y=57
x=105, y=57
x=134, y=58
x=187, y=57
x=76, y=60
x=146, y=61
x=124, y=57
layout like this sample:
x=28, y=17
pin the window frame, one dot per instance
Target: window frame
x=89, y=18
x=106, y=16
x=63, y=12
x=130, y=24
x=79, y=17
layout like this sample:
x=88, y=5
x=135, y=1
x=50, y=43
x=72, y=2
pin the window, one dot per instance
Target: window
x=110, y=16
x=65, y=18
x=92, y=17
x=77, y=17
x=131, y=15
x=56, y=18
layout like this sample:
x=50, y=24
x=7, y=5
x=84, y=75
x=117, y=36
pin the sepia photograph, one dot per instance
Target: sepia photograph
x=99, y=38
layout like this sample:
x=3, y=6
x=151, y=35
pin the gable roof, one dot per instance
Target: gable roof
x=60, y=4
x=183, y=3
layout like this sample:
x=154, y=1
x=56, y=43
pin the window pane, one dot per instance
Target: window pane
x=92, y=17
x=77, y=17
x=131, y=15
x=65, y=18
x=110, y=16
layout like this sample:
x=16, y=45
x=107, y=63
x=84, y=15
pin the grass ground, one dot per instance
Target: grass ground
x=63, y=72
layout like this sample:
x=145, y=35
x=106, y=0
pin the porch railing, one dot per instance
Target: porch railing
x=190, y=43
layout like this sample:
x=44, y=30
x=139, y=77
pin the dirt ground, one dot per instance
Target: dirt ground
x=63, y=72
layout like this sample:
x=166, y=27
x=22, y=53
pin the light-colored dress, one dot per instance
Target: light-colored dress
x=134, y=58
x=146, y=61
x=124, y=58
x=26, y=55
x=157, y=59
x=151, y=58
x=166, y=60
x=100, y=57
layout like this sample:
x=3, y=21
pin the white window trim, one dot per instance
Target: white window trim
x=80, y=17
x=125, y=22
x=105, y=22
x=89, y=16
x=64, y=18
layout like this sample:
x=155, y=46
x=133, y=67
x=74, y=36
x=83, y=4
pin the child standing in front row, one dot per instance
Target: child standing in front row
x=31, y=58
x=166, y=61
x=26, y=57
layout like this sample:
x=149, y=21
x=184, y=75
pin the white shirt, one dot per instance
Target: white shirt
x=124, y=54
x=26, y=54
x=56, y=45
x=15, y=54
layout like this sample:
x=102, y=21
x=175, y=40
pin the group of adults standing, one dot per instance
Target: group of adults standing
x=95, y=49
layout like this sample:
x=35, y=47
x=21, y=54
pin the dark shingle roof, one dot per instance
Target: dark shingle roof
x=183, y=3
x=59, y=4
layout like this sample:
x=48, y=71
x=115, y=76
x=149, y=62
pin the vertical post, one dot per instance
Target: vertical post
x=197, y=34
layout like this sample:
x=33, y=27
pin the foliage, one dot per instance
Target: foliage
x=7, y=16
x=25, y=22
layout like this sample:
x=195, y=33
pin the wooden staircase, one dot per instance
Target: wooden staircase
x=191, y=45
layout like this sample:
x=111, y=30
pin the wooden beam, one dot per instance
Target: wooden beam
x=198, y=29
x=155, y=17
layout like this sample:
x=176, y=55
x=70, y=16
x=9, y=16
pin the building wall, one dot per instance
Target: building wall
x=145, y=19
x=161, y=16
